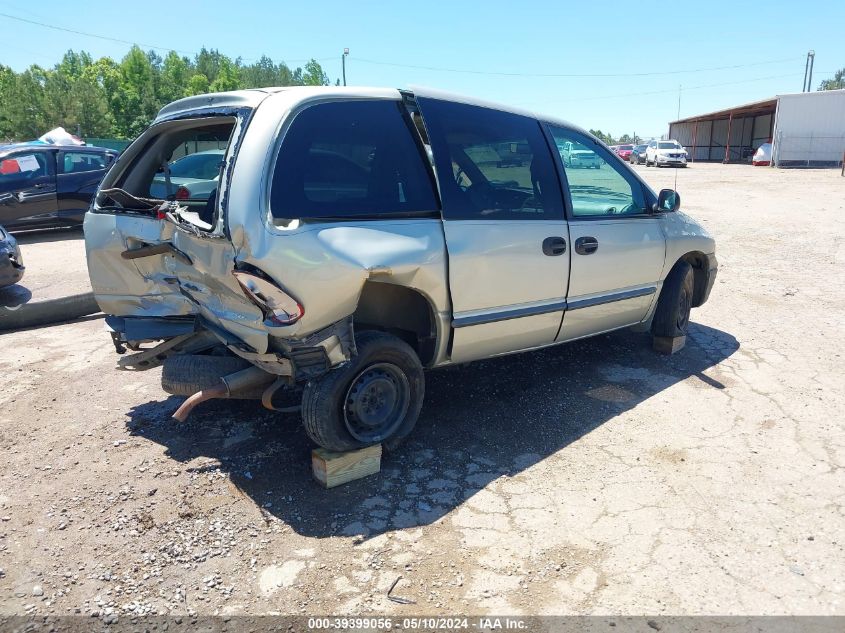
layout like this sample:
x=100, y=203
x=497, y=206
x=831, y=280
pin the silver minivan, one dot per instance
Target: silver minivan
x=359, y=236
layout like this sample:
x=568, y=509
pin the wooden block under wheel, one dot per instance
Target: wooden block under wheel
x=669, y=344
x=332, y=469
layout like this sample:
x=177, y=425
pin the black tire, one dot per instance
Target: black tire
x=671, y=317
x=385, y=369
x=185, y=374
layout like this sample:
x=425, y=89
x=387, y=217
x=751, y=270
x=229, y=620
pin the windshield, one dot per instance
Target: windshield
x=626, y=147
x=641, y=148
x=577, y=147
x=668, y=146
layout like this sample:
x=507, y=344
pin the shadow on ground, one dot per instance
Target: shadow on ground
x=41, y=236
x=14, y=296
x=480, y=422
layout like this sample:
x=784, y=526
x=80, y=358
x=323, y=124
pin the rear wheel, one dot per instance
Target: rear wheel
x=671, y=317
x=376, y=397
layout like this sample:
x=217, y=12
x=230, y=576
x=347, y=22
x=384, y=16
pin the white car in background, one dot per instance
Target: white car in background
x=665, y=153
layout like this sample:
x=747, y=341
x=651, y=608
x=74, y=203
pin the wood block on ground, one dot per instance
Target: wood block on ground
x=669, y=344
x=332, y=469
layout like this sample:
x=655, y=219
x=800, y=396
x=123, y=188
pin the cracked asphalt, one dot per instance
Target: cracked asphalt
x=593, y=478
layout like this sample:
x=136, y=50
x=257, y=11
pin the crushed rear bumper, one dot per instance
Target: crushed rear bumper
x=297, y=359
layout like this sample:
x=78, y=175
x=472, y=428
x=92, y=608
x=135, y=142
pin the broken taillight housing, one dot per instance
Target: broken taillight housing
x=279, y=307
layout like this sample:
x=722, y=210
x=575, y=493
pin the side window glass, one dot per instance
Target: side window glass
x=597, y=184
x=351, y=159
x=76, y=162
x=20, y=170
x=492, y=165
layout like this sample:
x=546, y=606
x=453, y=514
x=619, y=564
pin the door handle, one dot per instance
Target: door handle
x=553, y=246
x=586, y=245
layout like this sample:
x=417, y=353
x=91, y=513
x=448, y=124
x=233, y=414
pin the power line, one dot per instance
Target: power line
x=573, y=75
x=673, y=90
x=99, y=37
x=131, y=43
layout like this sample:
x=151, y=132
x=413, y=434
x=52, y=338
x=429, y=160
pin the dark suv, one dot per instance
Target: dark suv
x=49, y=185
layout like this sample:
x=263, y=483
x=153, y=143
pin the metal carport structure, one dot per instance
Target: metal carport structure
x=726, y=135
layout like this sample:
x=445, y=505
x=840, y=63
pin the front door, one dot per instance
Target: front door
x=505, y=229
x=27, y=188
x=618, y=246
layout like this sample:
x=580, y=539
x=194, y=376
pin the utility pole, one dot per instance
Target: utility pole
x=808, y=72
x=810, y=78
x=343, y=62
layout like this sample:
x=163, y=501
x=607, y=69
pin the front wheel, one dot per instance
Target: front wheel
x=671, y=317
x=375, y=397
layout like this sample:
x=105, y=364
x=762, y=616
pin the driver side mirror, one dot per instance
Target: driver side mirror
x=668, y=200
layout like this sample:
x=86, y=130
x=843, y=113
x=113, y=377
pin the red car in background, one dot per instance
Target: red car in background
x=624, y=152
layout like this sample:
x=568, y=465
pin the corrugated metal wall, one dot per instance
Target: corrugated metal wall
x=706, y=140
x=810, y=129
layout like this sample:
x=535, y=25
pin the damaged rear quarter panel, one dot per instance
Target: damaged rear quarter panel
x=324, y=265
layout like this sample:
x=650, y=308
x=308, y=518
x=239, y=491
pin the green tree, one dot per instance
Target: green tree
x=26, y=107
x=837, y=83
x=197, y=85
x=261, y=74
x=175, y=77
x=228, y=77
x=207, y=62
x=136, y=100
x=110, y=99
x=7, y=83
x=314, y=75
x=607, y=139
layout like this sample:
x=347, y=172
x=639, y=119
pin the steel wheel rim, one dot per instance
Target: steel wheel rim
x=376, y=402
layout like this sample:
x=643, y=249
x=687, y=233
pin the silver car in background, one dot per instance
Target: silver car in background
x=359, y=236
x=191, y=177
x=576, y=155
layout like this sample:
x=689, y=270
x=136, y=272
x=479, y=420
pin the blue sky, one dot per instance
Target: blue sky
x=643, y=44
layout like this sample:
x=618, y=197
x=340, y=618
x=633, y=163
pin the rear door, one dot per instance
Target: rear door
x=618, y=247
x=27, y=188
x=79, y=171
x=506, y=234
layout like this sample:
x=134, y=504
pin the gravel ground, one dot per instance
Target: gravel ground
x=593, y=478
